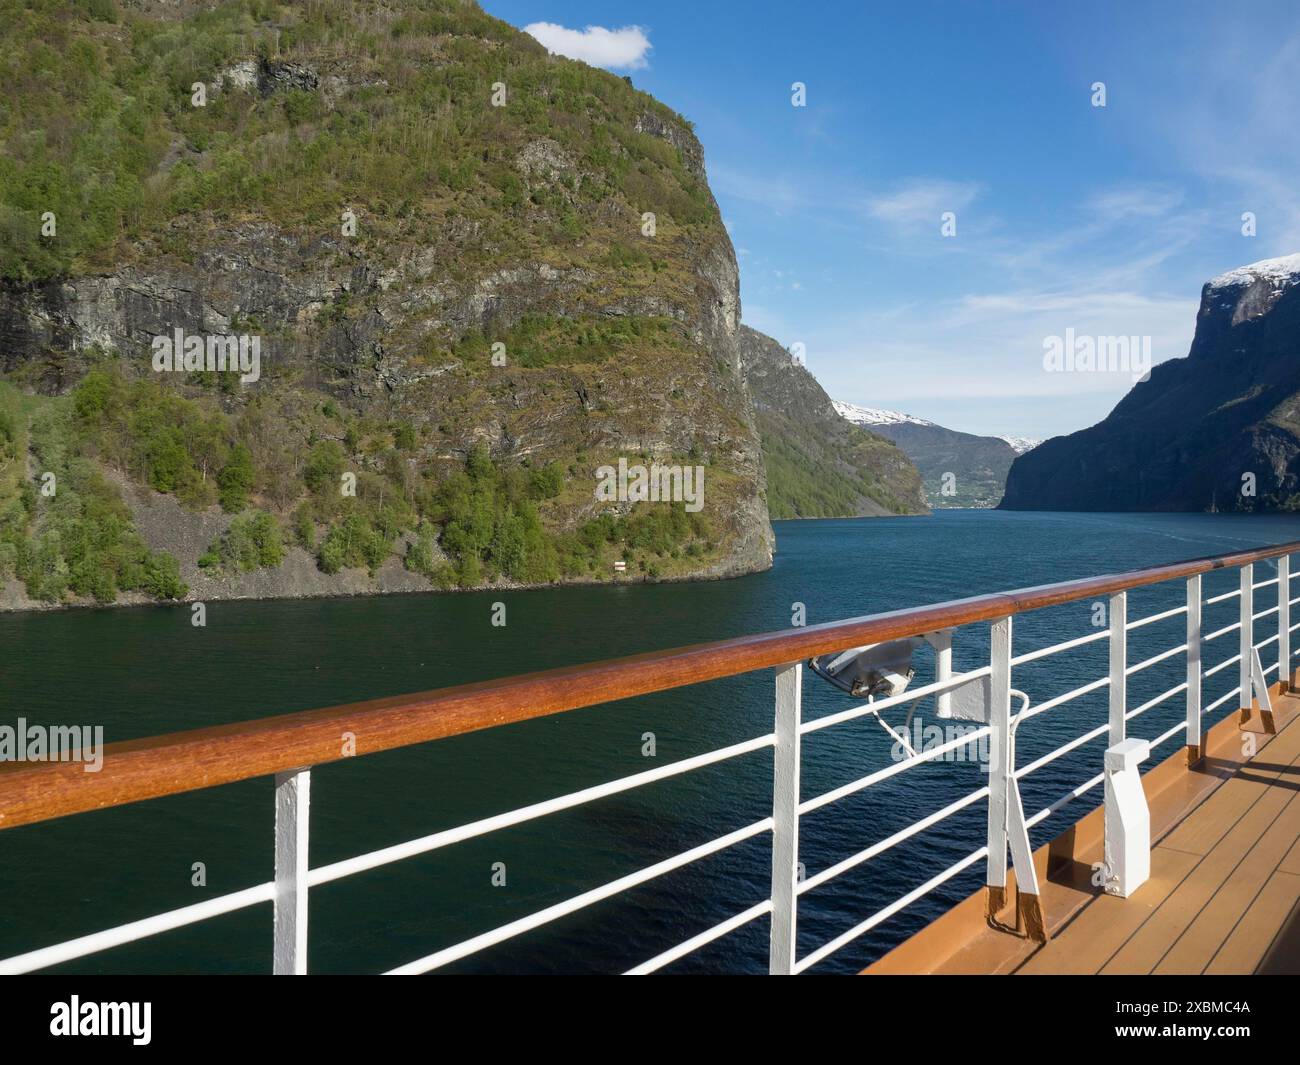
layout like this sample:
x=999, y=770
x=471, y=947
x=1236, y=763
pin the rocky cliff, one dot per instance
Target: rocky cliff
x=477, y=273
x=1218, y=429
x=818, y=465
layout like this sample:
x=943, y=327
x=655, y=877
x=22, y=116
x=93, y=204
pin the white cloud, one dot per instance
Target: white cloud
x=1236, y=130
x=623, y=49
x=922, y=202
x=977, y=360
x=1141, y=201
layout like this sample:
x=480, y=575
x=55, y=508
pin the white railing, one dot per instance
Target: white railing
x=1007, y=825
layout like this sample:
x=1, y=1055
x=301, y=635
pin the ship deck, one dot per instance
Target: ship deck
x=1224, y=891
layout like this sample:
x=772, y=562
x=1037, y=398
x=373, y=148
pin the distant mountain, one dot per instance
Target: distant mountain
x=1218, y=429
x=818, y=465
x=1021, y=444
x=874, y=416
x=978, y=464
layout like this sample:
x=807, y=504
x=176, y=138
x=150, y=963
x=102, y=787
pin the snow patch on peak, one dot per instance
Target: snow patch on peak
x=1282, y=272
x=1021, y=444
x=874, y=415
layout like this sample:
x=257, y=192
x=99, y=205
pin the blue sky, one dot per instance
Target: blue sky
x=1104, y=220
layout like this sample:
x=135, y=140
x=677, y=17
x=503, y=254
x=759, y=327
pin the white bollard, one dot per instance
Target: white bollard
x=1128, y=819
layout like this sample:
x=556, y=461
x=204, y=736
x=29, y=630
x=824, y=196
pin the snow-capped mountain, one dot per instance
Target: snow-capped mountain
x=1283, y=271
x=1229, y=406
x=1021, y=444
x=874, y=415
x=958, y=469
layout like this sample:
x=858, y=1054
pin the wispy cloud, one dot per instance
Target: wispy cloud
x=921, y=202
x=622, y=49
x=1134, y=201
x=1113, y=238
x=1237, y=132
x=934, y=359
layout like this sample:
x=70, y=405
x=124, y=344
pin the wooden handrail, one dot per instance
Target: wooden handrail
x=202, y=758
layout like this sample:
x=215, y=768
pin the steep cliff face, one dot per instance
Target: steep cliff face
x=1219, y=429
x=453, y=249
x=818, y=465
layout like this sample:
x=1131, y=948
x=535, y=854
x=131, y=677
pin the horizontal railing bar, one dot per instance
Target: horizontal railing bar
x=1043, y=652
x=1138, y=711
x=1154, y=659
x=1264, y=643
x=1152, y=619
x=362, y=862
x=562, y=909
x=889, y=842
x=1227, y=663
x=1168, y=734
x=809, y=805
x=1263, y=613
x=1226, y=595
x=1219, y=702
x=128, y=933
x=187, y=761
x=701, y=940
x=1060, y=700
x=884, y=914
x=1221, y=632
x=1265, y=584
x=855, y=712
x=1064, y=749
x=1100, y=730
x=1065, y=800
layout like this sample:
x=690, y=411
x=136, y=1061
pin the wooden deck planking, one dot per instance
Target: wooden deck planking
x=1291, y=863
x=1224, y=893
x=1201, y=941
x=1231, y=900
x=1258, y=929
x=1248, y=837
x=1102, y=928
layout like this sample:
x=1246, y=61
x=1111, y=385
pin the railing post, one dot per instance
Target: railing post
x=785, y=819
x=942, y=643
x=1118, y=666
x=1244, y=699
x=999, y=763
x=1195, y=741
x=1284, y=623
x=292, y=800
x=1006, y=822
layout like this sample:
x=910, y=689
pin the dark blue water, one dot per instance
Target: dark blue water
x=144, y=671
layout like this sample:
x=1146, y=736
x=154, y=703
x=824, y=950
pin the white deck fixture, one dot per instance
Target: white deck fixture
x=1128, y=819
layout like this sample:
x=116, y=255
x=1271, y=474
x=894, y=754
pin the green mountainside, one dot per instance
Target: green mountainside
x=478, y=273
x=819, y=465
